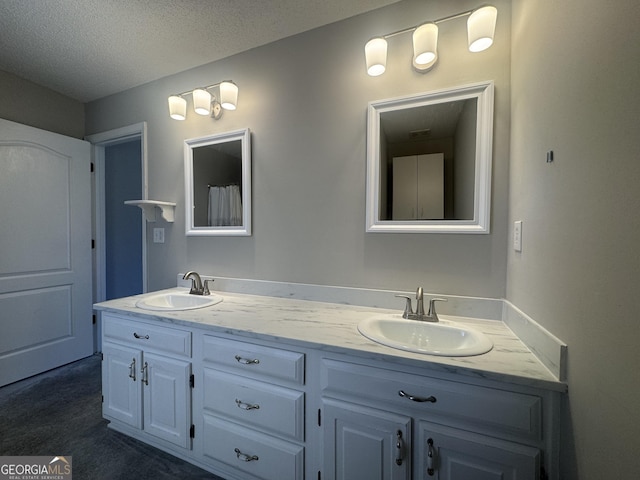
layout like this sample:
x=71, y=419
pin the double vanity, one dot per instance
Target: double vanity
x=265, y=387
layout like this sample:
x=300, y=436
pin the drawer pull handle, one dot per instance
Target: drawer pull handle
x=247, y=406
x=145, y=373
x=399, y=447
x=144, y=337
x=431, y=458
x=132, y=369
x=244, y=457
x=430, y=399
x=246, y=361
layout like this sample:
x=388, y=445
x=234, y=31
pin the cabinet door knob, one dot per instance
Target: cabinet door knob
x=145, y=373
x=132, y=369
x=431, y=457
x=244, y=457
x=399, y=448
x=246, y=361
x=247, y=406
x=415, y=398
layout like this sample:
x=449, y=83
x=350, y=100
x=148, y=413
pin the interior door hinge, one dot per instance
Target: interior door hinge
x=192, y=381
x=319, y=417
x=93, y=319
x=102, y=399
x=192, y=431
x=93, y=244
x=319, y=475
x=92, y=167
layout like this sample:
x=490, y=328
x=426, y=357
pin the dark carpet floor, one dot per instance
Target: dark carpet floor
x=59, y=413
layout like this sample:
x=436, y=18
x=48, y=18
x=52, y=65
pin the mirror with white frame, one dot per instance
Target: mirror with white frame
x=429, y=161
x=217, y=172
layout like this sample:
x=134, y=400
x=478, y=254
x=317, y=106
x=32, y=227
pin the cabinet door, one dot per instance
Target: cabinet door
x=167, y=398
x=430, y=185
x=364, y=443
x=121, y=384
x=405, y=186
x=418, y=187
x=449, y=454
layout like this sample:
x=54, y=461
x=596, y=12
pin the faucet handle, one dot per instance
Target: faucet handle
x=206, y=290
x=408, y=309
x=432, y=306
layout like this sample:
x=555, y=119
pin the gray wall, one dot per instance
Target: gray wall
x=305, y=99
x=30, y=104
x=575, y=79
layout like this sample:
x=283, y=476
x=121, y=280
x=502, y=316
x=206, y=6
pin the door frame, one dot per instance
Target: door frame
x=99, y=142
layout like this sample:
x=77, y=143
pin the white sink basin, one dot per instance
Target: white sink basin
x=174, y=301
x=424, y=337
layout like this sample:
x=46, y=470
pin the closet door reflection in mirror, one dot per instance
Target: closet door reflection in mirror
x=217, y=170
x=429, y=161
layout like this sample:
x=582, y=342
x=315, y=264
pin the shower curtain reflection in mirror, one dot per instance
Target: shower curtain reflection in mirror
x=225, y=206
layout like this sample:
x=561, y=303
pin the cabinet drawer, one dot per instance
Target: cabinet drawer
x=255, y=360
x=146, y=336
x=470, y=407
x=267, y=406
x=260, y=455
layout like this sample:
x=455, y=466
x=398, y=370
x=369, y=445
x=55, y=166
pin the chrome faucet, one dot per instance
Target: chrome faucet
x=196, y=283
x=420, y=304
x=430, y=316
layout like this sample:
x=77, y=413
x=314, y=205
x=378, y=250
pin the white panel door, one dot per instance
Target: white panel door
x=167, y=398
x=122, y=384
x=445, y=453
x=365, y=443
x=45, y=251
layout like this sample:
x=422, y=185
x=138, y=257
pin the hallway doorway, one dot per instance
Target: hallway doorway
x=120, y=256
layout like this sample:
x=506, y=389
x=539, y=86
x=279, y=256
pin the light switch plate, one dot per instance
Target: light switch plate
x=158, y=235
x=517, y=235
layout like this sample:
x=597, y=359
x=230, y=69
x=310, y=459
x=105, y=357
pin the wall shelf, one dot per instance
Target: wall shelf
x=150, y=207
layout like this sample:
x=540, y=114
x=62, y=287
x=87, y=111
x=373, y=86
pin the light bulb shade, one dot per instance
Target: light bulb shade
x=228, y=95
x=177, y=107
x=375, y=52
x=481, y=26
x=425, y=44
x=201, y=101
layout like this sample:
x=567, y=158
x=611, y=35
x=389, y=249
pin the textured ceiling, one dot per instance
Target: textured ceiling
x=88, y=49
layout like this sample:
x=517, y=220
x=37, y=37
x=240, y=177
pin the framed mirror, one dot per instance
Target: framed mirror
x=429, y=162
x=217, y=172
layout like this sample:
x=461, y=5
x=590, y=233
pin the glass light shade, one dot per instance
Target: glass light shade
x=201, y=101
x=481, y=26
x=228, y=95
x=425, y=44
x=177, y=107
x=375, y=52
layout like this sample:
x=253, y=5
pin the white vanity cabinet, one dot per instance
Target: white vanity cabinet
x=396, y=424
x=146, y=377
x=254, y=406
x=253, y=409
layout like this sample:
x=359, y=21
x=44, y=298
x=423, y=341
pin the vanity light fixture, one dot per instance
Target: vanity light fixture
x=481, y=26
x=204, y=103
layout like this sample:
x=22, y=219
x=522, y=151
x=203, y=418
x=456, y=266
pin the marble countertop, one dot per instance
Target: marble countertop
x=333, y=327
